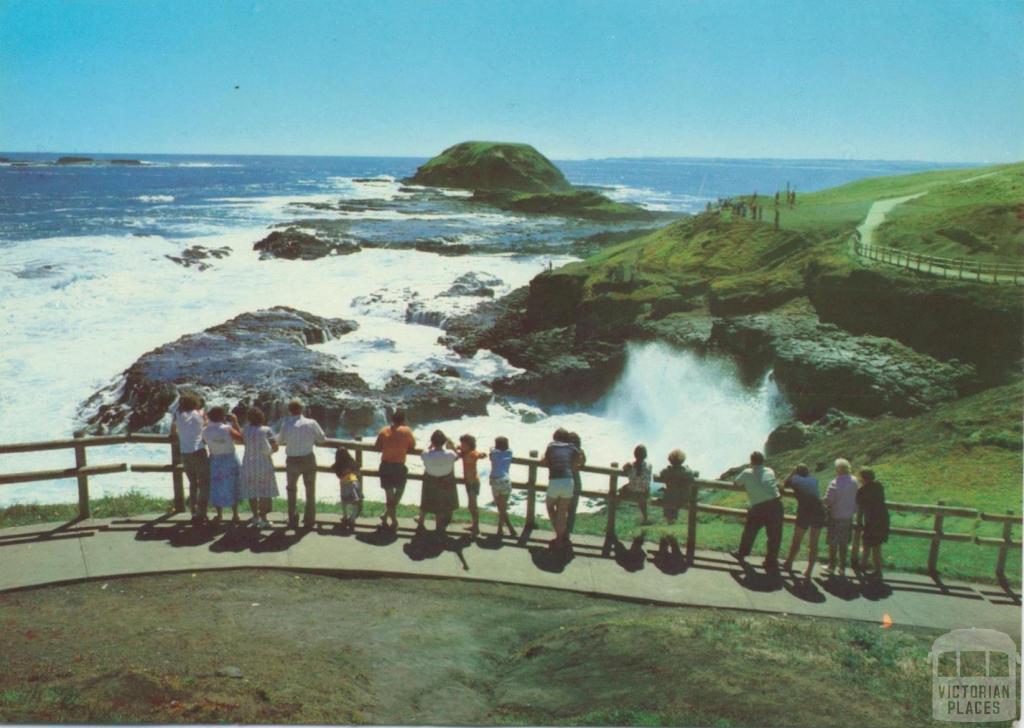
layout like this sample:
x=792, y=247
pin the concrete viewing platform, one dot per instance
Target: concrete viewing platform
x=92, y=549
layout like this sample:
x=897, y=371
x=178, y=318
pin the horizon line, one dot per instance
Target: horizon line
x=556, y=159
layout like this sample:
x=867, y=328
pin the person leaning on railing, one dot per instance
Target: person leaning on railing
x=394, y=442
x=678, y=480
x=560, y=457
x=765, y=511
x=187, y=425
x=299, y=435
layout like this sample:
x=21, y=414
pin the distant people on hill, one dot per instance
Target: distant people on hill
x=187, y=425
x=347, y=470
x=395, y=442
x=678, y=480
x=470, y=455
x=559, y=458
x=501, y=482
x=810, y=516
x=439, y=495
x=299, y=435
x=577, y=481
x=258, y=481
x=841, y=500
x=638, y=485
x=220, y=437
x=775, y=224
x=765, y=511
x=871, y=501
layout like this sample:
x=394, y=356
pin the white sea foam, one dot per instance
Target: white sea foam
x=155, y=198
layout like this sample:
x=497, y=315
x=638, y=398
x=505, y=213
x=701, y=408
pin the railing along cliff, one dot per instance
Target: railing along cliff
x=937, y=534
x=958, y=268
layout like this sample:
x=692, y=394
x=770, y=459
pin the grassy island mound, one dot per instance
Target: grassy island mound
x=518, y=178
x=491, y=166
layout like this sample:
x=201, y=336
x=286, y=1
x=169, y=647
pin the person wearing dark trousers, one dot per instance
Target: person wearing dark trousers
x=577, y=482
x=299, y=435
x=187, y=425
x=765, y=511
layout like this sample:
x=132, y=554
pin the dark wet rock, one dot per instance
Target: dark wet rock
x=442, y=247
x=684, y=330
x=42, y=270
x=197, y=255
x=75, y=160
x=293, y=244
x=418, y=312
x=489, y=324
x=433, y=397
x=474, y=284
x=795, y=434
x=126, y=162
x=263, y=359
x=819, y=366
x=448, y=372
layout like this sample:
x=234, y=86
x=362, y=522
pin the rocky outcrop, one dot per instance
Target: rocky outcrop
x=126, y=162
x=491, y=166
x=293, y=244
x=75, y=160
x=473, y=284
x=795, y=434
x=197, y=255
x=263, y=358
x=820, y=366
x=980, y=324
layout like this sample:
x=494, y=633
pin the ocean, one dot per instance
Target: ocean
x=86, y=287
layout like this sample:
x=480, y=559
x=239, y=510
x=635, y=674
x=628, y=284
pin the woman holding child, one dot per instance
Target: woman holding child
x=439, y=495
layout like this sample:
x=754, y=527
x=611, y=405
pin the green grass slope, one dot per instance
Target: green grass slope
x=978, y=218
x=492, y=166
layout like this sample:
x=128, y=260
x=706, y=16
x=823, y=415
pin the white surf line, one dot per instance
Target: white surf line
x=876, y=216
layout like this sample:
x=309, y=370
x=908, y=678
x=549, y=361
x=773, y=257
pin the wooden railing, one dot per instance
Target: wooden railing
x=937, y=534
x=977, y=271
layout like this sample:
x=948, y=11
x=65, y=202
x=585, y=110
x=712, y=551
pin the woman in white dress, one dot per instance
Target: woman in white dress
x=259, y=483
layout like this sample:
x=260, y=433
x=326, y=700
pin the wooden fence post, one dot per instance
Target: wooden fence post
x=359, y=456
x=613, y=504
x=531, y=493
x=691, y=524
x=933, y=553
x=177, y=478
x=1001, y=561
x=83, y=479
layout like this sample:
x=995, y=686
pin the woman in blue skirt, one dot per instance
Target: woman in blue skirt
x=220, y=438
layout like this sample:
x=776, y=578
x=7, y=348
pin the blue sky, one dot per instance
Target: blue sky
x=932, y=80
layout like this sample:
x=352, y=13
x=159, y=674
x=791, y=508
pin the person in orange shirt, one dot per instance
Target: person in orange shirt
x=469, y=454
x=394, y=442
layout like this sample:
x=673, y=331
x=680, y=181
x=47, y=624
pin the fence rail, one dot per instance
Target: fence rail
x=978, y=271
x=937, y=534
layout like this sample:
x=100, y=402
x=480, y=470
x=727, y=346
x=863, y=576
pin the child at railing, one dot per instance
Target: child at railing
x=501, y=483
x=347, y=470
x=468, y=453
x=871, y=501
x=639, y=486
x=678, y=480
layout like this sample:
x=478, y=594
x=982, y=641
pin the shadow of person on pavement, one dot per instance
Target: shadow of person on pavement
x=279, y=540
x=236, y=540
x=491, y=542
x=805, y=590
x=669, y=558
x=631, y=559
x=840, y=587
x=424, y=545
x=551, y=559
x=759, y=581
x=380, y=536
x=875, y=590
x=187, y=534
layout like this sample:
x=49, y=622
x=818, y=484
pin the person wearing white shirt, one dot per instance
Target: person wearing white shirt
x=187, y=425
x=299, y=435
x=438, y=495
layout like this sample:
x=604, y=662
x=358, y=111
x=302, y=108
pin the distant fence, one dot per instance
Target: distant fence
x=937, y=534
x=958, y=268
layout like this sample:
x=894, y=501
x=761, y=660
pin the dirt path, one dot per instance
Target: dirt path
x=876, y=216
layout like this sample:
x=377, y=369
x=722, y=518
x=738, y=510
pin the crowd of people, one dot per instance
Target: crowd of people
x=219, y=479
